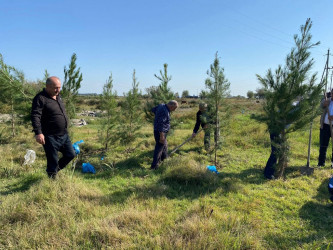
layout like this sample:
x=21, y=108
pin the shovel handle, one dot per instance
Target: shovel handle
x=179, y=146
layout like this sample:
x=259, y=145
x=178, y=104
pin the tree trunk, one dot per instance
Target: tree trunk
x=13, y=119
x=216, y=138
x=107, y=139
x=283, y=150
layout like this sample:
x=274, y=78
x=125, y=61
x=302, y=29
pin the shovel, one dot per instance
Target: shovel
x=307, y=170
x=179, y=146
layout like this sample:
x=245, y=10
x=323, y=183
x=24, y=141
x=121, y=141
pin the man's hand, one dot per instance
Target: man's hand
x=162, y=138
x=194, y=134
x=330, y=117
x=40, y=139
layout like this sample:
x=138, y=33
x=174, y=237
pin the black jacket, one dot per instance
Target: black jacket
x=48, y=116
x=199, y=121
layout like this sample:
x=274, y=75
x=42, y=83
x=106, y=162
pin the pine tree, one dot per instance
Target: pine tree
x=203, y=94
x=12, y=91
x=38, y=85
x=160, y=94
x=250, y=94
x=218, y=112
x=109, y=133
x=131, y=116
x=71, y=86
x=46, y=75
x=185, y=94
x=290, y=83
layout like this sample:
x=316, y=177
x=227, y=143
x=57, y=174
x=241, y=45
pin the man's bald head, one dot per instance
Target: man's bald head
x=53, y=86
x=52, y=79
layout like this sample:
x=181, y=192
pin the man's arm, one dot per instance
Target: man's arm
x=197, y=124
x=161, y=118
x=36, y=115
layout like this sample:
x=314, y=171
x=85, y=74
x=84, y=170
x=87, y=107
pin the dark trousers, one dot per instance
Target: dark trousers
x=53, y=145
x=272, y=160
x=161, y=150
x=207, y=138
x=324, y=137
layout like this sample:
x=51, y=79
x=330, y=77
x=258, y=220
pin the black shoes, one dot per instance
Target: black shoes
x=52, y=175
x=272, y=177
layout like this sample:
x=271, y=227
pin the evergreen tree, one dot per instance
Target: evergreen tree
x=12, y=91
x=46, y=75
x=131, y=115
x=250, y=94
x=38, y=85
x=185, y=93
x=293, y=82
x=109, y=133
x=160, y=94
x=203, y=94
x=71, y=86
x=218, y=111
x=260, y=93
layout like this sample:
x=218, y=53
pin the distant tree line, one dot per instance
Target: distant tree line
x=258, y=94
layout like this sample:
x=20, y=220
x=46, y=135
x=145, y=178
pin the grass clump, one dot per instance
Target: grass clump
x=185, y=171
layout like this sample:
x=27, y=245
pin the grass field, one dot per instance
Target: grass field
x=179, y=206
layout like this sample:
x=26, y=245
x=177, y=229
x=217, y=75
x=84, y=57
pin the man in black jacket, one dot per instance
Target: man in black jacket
x=204, y=120
x=50, y=122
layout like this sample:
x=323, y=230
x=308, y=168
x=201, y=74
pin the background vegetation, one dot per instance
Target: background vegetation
x=179, y=206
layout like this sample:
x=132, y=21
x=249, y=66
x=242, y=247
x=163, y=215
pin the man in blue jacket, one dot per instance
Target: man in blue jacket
x=161, y=129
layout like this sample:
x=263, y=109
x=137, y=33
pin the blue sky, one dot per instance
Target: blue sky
x=119, y=36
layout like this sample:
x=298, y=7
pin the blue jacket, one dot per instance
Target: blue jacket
x=162, y=118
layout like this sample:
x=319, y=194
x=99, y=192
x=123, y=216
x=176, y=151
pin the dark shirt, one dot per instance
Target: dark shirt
x=162, y=118
x=48, y=116
x=200, y=121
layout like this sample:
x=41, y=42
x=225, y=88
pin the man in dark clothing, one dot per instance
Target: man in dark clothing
x=161, y=129
x=203, y=120
x=325, y=128
x=50, y=122
x=272, y=160
x=276, y=143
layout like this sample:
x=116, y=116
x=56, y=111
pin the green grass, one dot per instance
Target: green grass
x=179, y=206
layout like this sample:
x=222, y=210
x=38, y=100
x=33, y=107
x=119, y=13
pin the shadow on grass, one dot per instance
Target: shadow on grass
x=188, y=150
x=180, y=184
x=318, y=219
x=22, y=185
x=166, y=187
x=173, y=185
x=130, y=167
x=253, y=175
x=319, y=215
x=298, y=171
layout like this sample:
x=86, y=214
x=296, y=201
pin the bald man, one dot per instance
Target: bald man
x=50, y=123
